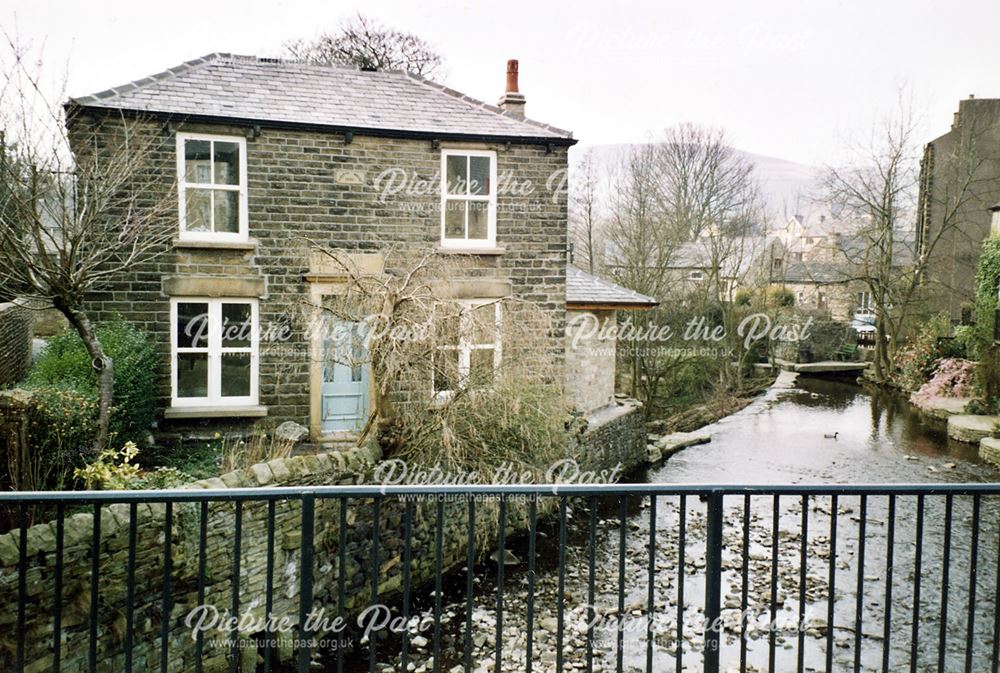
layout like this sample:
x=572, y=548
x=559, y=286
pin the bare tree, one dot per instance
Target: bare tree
x=367, y=44
x=877, y=189
x=642, y=237
x=74, y=213
x=585, y=227
x=688, y=201
x=503, y=405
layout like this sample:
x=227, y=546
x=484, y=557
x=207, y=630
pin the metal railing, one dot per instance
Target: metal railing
x=909, y=572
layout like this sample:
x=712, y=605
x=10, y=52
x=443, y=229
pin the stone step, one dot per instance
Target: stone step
x=971, y=428
x=668, y=445
x=944, y=407
x=989, y=450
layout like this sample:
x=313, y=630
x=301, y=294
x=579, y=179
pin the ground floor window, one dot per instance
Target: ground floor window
x=214, y=352
x=468, y=348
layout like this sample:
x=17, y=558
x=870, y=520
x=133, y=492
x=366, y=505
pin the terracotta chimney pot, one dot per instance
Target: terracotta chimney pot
x=513, y=100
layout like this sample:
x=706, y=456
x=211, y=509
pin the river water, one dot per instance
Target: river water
x=779, y=438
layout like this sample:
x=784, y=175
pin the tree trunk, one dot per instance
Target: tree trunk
x=102, y=364
x=883, y=366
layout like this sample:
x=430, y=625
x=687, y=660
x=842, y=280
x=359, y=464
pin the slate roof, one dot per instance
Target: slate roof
x=268, y=90
x=698, y=255
x=819, y=273
x=849, y=261
x=586, y=289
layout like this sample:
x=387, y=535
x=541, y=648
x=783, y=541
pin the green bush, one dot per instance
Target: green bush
x=782, y=296
x=965, y=336
x=113, y=470
x=61, y=423
x=66, y=363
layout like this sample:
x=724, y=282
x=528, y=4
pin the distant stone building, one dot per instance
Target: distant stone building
x=830, y=275
x=952, y=221
x=801, y=232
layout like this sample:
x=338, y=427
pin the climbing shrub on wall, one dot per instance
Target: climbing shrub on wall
x=983, y=339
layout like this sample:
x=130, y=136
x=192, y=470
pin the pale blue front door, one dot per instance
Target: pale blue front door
x=346, y=375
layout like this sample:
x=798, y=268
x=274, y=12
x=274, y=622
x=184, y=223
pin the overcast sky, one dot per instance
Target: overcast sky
x=786, y=78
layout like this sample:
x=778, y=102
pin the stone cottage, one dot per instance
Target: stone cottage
x=265, y=154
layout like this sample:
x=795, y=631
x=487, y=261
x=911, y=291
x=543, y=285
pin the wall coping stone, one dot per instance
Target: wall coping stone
x=78, y=527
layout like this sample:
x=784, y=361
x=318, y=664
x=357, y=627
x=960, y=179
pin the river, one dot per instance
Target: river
x=779, y=438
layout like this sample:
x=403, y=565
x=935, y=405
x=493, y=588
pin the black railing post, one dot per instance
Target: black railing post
x=306, y=579
x=713, y=582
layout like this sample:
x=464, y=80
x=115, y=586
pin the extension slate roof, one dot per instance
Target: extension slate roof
x=585, y=289
x=269, y=90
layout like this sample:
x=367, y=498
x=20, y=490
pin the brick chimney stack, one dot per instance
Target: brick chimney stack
x=513, y=100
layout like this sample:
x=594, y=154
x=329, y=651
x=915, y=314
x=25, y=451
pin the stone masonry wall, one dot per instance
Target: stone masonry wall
x=590, y=360
x=324, y=188
x=332, y=468
x=615, y=436
x=15, y=343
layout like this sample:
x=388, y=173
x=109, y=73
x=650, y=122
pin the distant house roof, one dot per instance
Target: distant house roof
x=734, y=257
x=585, y=290
x=278, y=92
x=847, y=261
x=818, y=273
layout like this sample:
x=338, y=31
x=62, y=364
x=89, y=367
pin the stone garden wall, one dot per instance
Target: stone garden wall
x=603, y=447
x=15, y=343
x=330, y=468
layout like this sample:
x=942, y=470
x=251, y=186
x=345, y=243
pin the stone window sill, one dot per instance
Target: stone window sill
x=255, y=411
x=443, y=250
x=215, y=245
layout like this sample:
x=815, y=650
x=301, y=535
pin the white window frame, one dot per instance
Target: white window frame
x=466, y=346
x=696, y=274
x=215, y=351
x=491, y=199
x=866, y=305
x=183, y=185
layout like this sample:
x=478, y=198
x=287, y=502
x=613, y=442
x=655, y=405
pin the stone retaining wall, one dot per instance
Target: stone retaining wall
x=603, y=447
x=615, y=435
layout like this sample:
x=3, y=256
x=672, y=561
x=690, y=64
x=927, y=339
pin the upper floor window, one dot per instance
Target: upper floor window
x=212, y=186
x=468, y=198
x=696, y=275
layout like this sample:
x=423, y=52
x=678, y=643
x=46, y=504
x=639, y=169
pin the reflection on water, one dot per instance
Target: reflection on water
x=781, y=439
